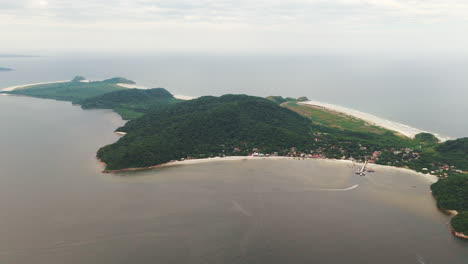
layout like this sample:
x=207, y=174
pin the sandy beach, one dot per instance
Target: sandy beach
x=183, y=97
x=11, y=88
x=430, y=178
x=131, y=86
x=372, y=119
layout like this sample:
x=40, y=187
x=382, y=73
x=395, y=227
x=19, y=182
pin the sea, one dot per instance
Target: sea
x=56, y=206
x=425, y=92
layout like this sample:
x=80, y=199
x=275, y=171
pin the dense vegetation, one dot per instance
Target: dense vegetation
x=452, y=192
x=280, y=99
x=70, y=91
x=235, y=125
x=5, y=69
x=130, y=103
x=204, y=127
x=116, y=80
x=460, y=222
x=455, y=152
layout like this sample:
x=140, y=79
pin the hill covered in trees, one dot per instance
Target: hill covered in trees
x=280, y=99
x=455, y=152
x=205, y=127
x=130, y=103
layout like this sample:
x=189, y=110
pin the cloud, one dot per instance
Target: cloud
x=303, y=20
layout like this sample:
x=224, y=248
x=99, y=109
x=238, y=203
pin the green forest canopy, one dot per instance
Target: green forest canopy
x=70, y=91
x=130, y=103
x=205, y=127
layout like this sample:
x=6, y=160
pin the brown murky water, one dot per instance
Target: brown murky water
x=56, y=206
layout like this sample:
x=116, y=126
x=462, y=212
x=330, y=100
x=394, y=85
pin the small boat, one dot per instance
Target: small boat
x=370, y=170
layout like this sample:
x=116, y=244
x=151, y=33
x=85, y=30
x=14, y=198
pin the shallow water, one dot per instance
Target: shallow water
x=56, y=206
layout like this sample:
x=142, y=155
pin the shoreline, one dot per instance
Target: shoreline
x=458, y=234
x=430, y=178
x=12, y=88
x=403, y=129
x=131, y=86
x=454, y=213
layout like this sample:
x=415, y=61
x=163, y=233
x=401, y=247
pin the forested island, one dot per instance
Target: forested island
x=164, y=129
x=77, y=89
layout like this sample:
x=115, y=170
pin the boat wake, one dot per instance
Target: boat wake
x=338, y=190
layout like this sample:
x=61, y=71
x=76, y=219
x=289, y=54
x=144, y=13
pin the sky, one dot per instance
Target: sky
x=245, y=26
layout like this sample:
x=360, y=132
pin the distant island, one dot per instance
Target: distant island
x=2, y=55
x=163, y=129
x=77, y=89
x=5, y=69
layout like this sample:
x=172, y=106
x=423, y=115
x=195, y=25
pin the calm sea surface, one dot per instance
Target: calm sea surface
x=429, y=93
x=56, y=207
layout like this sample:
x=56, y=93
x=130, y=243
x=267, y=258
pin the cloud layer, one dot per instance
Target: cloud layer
x=241, y=25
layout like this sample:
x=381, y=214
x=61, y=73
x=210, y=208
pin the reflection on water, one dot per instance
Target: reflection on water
x=56, y=207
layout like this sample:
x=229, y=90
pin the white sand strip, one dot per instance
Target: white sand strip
x=131, y=86
x=372, y=119
x=11, y=88
x=428, y=177
x=183, y=97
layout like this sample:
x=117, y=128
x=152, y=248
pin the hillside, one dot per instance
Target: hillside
x=117, y=80
x=328, y=118
x=204, y=127
x=69, y=91
x=130, y=103
x=455, y=152
x=280, y=99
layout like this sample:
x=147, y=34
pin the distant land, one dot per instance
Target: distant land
x=16, y=56
x=77, y=89
x=163, y=129
x=5, y=69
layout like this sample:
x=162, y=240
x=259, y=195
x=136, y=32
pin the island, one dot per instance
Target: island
x=5, y=69
x=77, y=89
x=163, y=129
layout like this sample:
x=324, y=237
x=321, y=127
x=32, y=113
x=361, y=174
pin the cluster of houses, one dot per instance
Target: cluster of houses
x=442, y=171
x=324, y=150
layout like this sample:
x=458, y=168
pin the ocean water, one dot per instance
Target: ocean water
x=428, y=93
x=57, y=207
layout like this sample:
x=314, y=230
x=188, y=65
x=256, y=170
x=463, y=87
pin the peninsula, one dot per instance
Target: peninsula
x=164, y=129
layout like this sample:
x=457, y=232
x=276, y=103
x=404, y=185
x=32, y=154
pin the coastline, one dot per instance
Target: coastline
x=405, y=130
x=430, y=178
x=460, y=235
x=454, y=213
x=190, y=162
x=11, y=88
x=131, y=86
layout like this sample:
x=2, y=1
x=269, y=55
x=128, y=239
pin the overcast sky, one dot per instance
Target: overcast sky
x=234, y=25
